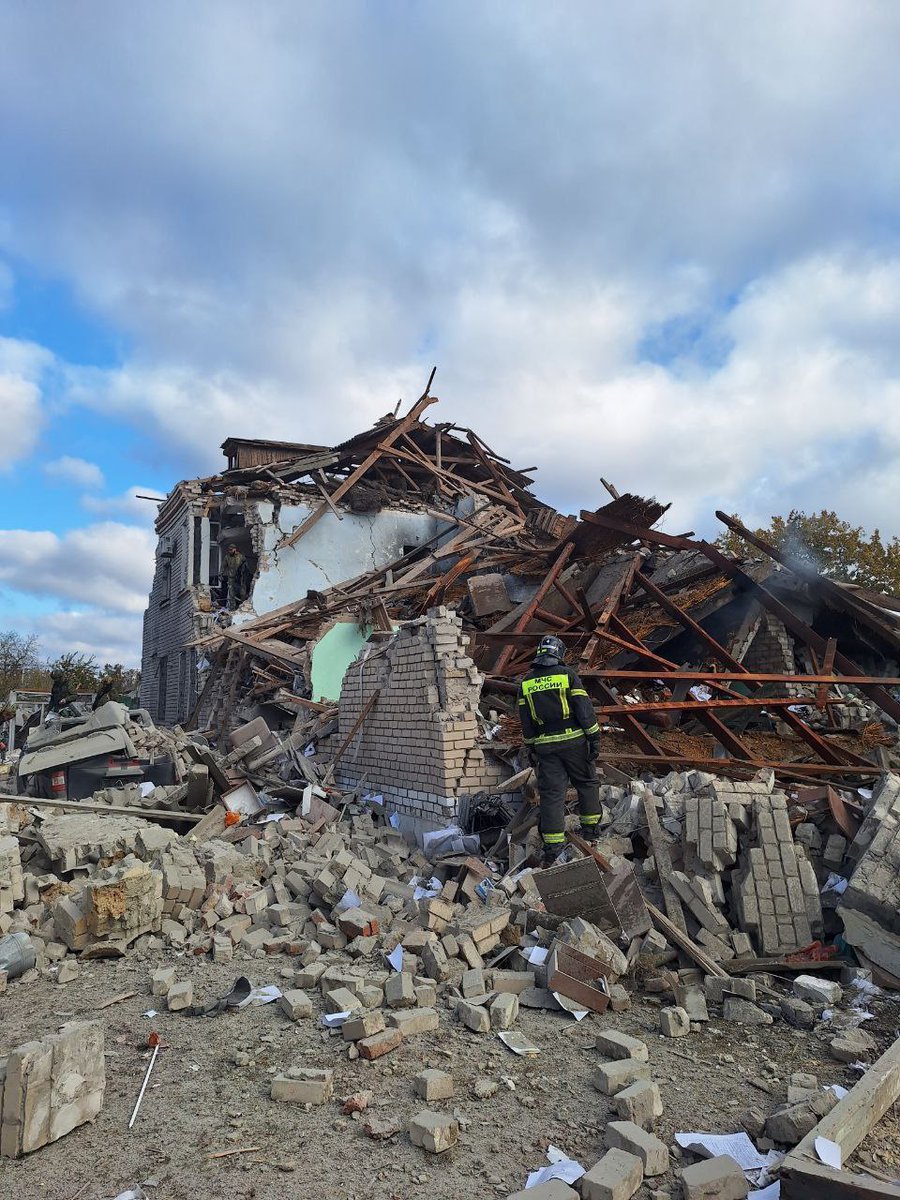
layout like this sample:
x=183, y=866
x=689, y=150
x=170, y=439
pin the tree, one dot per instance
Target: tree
x=19, y=661
x=80, y=670
x=825, y=543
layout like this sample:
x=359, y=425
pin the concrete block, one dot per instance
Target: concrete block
x=434, y=1132
x=744, y=1012
x=473, y=983
x=611, y=1077
x=674, y=1022
x=433, y=1085
x=304, y=1085
x=504, y=1011
x=379, y=1044
x=341, y=999
x=400, y=991
x=613, y=1044
x=295, y=1004
x=179, y=996
x=617, y=1176
x=161, y=980
x=554, y=1190
x=640, y=1103
x=473, y=1016
x=625, y=1135
x=367, y=1025
x=823, y=993
x=411, y=1021
x=717, y=1178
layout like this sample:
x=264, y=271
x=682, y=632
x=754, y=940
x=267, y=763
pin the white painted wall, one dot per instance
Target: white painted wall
x=332, y=551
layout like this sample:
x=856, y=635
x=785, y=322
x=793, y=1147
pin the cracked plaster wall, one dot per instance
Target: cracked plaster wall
x=330, y=553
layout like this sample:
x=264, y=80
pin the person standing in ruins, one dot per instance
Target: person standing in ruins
x=561, y=732
x=233, y=570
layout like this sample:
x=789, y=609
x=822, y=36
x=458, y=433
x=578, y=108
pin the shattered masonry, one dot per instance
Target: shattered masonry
x=49, y=1088
x=418, y=747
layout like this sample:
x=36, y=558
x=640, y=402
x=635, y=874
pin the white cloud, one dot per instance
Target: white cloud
x=109, y=565
x=74, y=470
x=22, y=367
x=131, y=504
x=110, y=638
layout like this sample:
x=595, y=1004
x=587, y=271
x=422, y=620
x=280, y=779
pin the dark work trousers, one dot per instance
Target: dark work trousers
x=557, y=767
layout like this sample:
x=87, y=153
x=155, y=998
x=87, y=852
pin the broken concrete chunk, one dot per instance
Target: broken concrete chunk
x=735, y=1009
x=400, y=991
x=793, y=1122
x=473, y=1016
x=303, y=1085
x=674, y=1022
x=433, y=1131
x=179, y=996
x=625, y=1135
x=613, y=1045
x=640, y=1103
x=161, y=980
x=356, y=1028
x=814, y=990
x=853, y=1045
x=504, y=1011
x=411, y=1021
x=295, y=1004
x=617, y=1176
x=611, y=1077
x=719, y=1178
x=433, y=1085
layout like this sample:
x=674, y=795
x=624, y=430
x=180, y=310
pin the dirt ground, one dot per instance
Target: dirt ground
x=200, y=1102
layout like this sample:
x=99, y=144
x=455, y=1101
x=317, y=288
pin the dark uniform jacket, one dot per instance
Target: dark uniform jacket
x=554, y=707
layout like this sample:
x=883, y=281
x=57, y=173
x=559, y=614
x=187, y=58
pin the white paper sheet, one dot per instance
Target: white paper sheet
x=772, y=1192
x=349, y=900
x=262, y=994
x=839, y=1091
x=537, y=955
x=519, y=1043
x=738, y=1145
x=395, y=958
x=334, y=1020
x=570, y=1006
x=829, y=1152
x=560, y=1167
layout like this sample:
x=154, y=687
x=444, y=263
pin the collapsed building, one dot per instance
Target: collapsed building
x=399, y=583
x=343, y=803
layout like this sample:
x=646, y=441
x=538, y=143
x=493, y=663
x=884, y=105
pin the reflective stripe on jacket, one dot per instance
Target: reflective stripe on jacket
x=554, y=707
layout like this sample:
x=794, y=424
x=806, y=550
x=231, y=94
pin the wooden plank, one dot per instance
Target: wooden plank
x=114, y=810
x=803, y=1177
x=663, y=861
x=357, y=725
x=827, y=666
x=535, y=602
x=354, y=477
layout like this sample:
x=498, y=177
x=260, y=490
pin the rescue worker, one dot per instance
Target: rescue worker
x=61, y=692
x=563, y=737
x=233, y=570
x=104, y=691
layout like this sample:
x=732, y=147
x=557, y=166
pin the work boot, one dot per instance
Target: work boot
x=591, y=833
x=551, y=854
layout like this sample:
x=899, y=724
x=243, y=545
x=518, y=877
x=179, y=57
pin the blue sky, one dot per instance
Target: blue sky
x=653, y=243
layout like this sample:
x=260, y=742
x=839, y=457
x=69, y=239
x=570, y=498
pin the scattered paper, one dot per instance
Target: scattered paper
x=374, y=799
x=772, y=1192
x=148, y=788
x=701, y=692
x=519, y=1044
x=193, y=1066
x=537, y=955
x=570, y=1006
x=151, y=1012
x=829, y=1152
x=272, y=817
x=349, y=900
x=738, y=1145
x=561, y=1167
x=866, y=793
x=309, y=751
x=839, y=1091
x=394, y=820
x=262, y=994
x=334, y=1020
x=866, y=986
x=395, y=958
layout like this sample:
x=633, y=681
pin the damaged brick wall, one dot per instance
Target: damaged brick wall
x=418, y=746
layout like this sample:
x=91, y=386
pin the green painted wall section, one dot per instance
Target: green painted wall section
x=332, y=655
